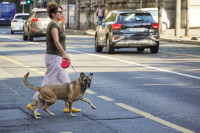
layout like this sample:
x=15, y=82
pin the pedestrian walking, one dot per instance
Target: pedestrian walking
x=87, y=16
x=55, y=51
x=100, y=14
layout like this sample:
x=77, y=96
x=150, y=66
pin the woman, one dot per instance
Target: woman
x=100, y=14
x=55, y=51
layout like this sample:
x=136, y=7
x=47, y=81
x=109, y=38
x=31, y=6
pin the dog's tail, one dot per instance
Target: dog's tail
x=28, y=85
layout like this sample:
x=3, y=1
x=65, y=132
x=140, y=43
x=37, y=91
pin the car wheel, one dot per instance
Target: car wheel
x=30, y=38
x=25, y=38
x=12, y=32
x=140, y=49
x=155, y=49
x=97, y=47
x=164, y=27
x=109, y=47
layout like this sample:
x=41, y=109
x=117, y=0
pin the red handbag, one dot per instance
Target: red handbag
x=65, y=63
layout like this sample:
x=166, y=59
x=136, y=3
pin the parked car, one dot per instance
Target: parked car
x=127, y=29
x=36, y=24
x=18, y=22
x=154, y=13
x=7, y=12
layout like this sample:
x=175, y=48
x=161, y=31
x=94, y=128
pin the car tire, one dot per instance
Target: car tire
x=155, y=49
x=109, y=46
x=97, y=47
x=30, y=38
x=25, y=38
x=12, y=32
x=164, y=27
x=140, y=49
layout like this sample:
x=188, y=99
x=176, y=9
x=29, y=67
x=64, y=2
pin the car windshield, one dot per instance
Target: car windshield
x=22, y=17
x=42, y=15
x=134, y=17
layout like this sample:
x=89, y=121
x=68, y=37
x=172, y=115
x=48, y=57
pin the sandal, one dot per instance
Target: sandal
x=73, y=110
x=29, y=106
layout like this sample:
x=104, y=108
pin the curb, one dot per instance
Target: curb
x=181, y=41
x=79, y=32
x=91, y=33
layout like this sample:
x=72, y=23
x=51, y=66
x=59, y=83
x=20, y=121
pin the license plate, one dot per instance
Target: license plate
x=137, y=29
x=1, y=18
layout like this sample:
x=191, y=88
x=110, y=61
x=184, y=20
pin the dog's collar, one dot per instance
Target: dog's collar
x=83, y=85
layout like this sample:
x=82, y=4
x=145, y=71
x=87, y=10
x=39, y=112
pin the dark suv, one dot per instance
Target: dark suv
x=36, y=24
x=127, y=29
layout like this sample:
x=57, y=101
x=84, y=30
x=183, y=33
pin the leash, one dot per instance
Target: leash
x=74, y=70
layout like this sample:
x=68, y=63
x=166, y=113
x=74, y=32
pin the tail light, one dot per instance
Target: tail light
x=116, y=26
x=15, y=21
x=34, y=19
x=155, y=26
x=33, y=29
x=62, y=29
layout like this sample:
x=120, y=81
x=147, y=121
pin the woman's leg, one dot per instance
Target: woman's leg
x=50, y=75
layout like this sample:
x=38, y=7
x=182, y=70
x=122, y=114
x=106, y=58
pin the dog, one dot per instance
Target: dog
x=69, y=92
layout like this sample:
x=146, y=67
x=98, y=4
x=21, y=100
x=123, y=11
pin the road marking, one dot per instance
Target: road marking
x=180, y=54
x=156, y=119
x=75, y=36
x=9, y=88
x=21, y=64
x=35, y=70
x=90, y=92
x=149, y=116
x=137, y=64
x=106, y=98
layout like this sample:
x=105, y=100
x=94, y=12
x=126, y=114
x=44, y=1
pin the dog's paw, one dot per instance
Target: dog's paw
x=52, y=114
x=93, y=107
x=72, y=115
x=38, y=117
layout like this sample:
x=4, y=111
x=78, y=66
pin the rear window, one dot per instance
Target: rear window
x=42, y=15
x=153, y=12
x=135, y=17
x=22, y=17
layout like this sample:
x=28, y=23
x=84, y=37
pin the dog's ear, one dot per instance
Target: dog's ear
x=82, y=75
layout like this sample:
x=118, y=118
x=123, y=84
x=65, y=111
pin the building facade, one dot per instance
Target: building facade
x=109, y=5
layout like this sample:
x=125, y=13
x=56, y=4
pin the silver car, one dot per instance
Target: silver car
x=36, y=24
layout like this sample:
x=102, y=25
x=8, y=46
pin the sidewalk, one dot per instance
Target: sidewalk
x=168, y=36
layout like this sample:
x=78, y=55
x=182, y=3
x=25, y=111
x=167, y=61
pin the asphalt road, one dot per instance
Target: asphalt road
x=133, y=92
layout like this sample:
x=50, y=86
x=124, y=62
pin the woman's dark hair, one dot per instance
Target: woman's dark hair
x=52, y=8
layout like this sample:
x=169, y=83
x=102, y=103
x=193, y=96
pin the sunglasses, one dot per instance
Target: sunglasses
x=60, y=12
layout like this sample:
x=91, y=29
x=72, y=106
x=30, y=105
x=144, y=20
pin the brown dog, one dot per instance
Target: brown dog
x=69, y=92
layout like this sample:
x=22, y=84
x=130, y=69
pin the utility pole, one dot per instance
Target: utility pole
x=34, y=3
x=78, y=13
x=68, y=14
x=178, y=18
x=160, y=7
x=106, y=7
x=140, y=4
x=187, y=18
x=90, y=14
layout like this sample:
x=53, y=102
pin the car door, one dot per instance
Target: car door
x=102, y=29
x=26, y=24
x=107, y=27
x=29, y=24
